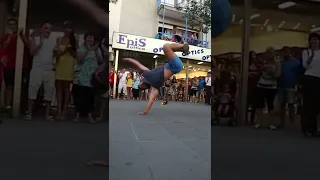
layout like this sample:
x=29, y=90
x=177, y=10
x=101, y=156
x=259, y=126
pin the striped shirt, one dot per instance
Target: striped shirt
x=267, y=80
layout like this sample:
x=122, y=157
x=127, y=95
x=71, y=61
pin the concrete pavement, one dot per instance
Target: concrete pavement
x=170, y=143
x=39, y=150
x=244, y=153
x=173, y=142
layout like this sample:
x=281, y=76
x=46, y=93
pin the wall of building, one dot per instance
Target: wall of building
x=114, y=20
x=139, y=18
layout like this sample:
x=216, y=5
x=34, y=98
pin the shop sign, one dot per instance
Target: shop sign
x=154, y=46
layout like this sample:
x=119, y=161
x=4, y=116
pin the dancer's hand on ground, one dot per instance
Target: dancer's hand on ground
x=142, y=113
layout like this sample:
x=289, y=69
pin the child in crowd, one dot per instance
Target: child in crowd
x=180, y=92
x=224, y=100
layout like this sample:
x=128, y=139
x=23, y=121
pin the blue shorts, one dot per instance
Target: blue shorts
x=175, y=65
x=286, y=96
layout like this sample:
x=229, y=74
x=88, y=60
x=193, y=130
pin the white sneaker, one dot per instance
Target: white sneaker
x=272, y=127
x=257, y=126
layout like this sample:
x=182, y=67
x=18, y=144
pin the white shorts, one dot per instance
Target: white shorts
x=37, y=77
x=122, y=87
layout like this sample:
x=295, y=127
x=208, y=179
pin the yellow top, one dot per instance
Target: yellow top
x=65, y=66
x=129, y=81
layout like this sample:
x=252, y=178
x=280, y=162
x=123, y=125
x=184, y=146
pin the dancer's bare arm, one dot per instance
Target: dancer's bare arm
x=136, y=63
x=100, y=15
x=152, y=97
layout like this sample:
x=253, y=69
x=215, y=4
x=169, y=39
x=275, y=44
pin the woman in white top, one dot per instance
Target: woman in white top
x=311, y=86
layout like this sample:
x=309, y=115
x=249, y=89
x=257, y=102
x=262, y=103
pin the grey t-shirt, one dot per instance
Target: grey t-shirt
x=43, y=59
x=154, y=77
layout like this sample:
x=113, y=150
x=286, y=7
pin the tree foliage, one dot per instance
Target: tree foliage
x=198, y=13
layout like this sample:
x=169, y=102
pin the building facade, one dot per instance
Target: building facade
x=156, y=23
x=147, y=18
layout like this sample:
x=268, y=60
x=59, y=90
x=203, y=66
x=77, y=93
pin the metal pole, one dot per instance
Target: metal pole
x=206, y=40
x=187, y=80
x=23, y=9
x=186, y=33
x=116, y=61
x=163, y=15
x=242, y=116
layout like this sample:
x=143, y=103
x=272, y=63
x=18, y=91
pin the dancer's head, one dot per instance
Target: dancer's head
x=144, y=83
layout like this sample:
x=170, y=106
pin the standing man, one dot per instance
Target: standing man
x=42, y=48
x=208, y=89
x=8, y=45
x=290, y=68
x=112, y=82
x=122, y=83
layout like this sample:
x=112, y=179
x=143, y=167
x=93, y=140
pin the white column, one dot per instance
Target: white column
x=187, y=80
x=23, y=8
x=116, y=61
x=155, y=62
x=3, y=21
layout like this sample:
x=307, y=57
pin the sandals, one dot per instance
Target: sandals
x=28, y=117
x=50, y=118
x=98, y=163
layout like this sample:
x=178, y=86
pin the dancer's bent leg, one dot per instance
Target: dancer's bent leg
x=170, y=48
x=174, y=64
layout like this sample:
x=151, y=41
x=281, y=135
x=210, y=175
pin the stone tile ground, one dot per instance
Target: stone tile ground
x=171, y=143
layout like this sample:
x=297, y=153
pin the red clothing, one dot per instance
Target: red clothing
x=111, y=78
x=10, y=50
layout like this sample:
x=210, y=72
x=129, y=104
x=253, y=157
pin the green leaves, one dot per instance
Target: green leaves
x=198, y=13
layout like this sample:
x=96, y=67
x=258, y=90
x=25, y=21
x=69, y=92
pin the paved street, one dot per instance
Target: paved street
x=171, y=143
x=51, y=150
x=248, y=154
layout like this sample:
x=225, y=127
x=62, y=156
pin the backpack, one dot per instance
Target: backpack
x=100, y=78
